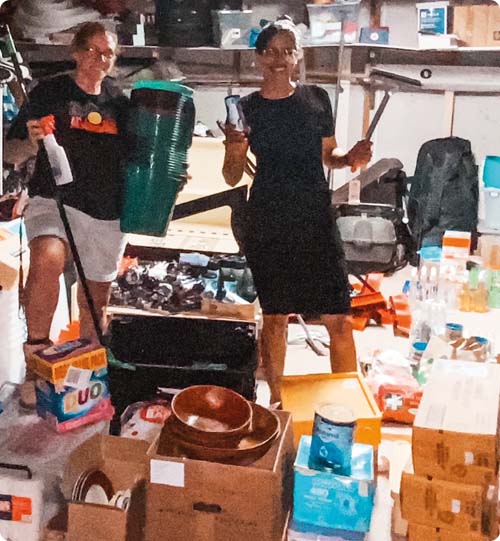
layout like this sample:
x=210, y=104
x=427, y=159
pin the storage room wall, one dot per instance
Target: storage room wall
x=409, y=120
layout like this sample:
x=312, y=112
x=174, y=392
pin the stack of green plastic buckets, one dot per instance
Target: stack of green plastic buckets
x=162, y=123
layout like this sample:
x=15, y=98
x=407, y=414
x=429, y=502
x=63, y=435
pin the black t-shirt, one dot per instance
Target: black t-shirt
x=286, y=137
x=96, y=146
x=289, y=205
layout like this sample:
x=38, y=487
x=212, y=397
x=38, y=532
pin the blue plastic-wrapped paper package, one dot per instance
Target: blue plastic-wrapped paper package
x=330, y=501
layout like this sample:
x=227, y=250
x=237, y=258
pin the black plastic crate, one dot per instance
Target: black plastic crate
x=179, y=352
x=178, y=341
x=129, y=386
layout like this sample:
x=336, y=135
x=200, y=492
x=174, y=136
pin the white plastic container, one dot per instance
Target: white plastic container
x=492, y=207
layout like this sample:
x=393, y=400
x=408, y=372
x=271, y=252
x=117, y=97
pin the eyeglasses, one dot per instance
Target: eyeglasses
x=276, y=53
x=94, y=51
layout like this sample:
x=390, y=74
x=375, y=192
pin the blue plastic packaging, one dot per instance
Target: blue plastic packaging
x=327, y=500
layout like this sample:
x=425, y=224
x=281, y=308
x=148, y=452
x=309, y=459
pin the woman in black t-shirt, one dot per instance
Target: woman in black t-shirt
x=87, y=114
x=290, y=238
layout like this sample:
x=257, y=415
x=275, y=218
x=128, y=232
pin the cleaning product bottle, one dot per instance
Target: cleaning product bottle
x=58, y=160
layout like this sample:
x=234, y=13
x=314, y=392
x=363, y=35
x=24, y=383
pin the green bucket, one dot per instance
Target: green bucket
x=161, y=123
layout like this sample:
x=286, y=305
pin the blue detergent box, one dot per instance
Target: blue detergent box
x=335, y=502
x=66, y=407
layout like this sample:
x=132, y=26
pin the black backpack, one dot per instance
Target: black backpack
x=444, y=191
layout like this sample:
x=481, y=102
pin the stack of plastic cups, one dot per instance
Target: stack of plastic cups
x=162, y=122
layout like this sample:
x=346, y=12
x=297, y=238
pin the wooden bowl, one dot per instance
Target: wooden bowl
x=210, y=415
x=263, y=432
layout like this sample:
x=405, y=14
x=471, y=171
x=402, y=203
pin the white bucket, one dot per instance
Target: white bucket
x=492, y=208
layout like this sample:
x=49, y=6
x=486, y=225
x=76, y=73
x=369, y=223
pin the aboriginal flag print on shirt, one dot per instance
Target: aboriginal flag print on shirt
x=92, y=130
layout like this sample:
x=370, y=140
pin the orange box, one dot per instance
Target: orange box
x=456, y=244
x=52, y=362
x=301, y=395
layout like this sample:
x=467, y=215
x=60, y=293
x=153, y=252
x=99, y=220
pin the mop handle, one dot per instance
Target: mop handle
x=377, y=116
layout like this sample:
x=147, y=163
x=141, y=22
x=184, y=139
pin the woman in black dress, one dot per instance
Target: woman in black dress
x=290, y=239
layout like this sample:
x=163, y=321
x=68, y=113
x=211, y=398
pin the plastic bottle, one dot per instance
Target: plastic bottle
x=58, y=160
x=234, y=113
x=413, y=293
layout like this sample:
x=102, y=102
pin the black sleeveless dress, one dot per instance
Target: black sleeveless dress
x=290, y=238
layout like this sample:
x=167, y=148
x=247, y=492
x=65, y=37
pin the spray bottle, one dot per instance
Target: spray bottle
x=56, y=154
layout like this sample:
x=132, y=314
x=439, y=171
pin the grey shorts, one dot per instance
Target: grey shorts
x=100, y=243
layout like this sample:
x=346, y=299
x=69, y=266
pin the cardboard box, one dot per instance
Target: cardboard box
x=455, y=434
x=493, y=35
x=302, y=394
x=470, y=25
x=53, y=362
x=124, y=462
x=399, y=525
x=336, y=502
x=469, y=509
x=426, y=533
x=477, y=26
x=212, y=307
x=9, y=259
x=197, y=500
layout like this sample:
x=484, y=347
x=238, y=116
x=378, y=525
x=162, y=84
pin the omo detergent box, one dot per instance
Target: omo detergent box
x=82, y=399
x=53, y=362
x=331, y=501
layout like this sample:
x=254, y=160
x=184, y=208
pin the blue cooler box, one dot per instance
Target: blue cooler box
x=335, y=502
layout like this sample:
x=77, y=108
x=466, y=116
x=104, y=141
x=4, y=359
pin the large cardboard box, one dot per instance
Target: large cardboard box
x=124, y=461
x=470, y=24
x=426, y=533
x=493, y=34
x=455, y=433
x=198, y=500
x=469, y=509
x=477, y=25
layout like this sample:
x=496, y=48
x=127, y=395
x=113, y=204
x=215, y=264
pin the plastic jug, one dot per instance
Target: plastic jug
x=162, y=123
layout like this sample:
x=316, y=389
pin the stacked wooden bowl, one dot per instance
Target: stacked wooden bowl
x=216, y=424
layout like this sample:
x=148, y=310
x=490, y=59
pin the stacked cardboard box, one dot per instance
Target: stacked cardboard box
x=189, y=499
x=477, y=25
x=335, y=505
x=72, y=385
x=454, y=490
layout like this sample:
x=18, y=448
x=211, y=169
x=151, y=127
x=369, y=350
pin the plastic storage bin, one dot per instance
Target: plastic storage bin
x=492, y=207
x=325, y=21
x=232, y=28
x=491, y=172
